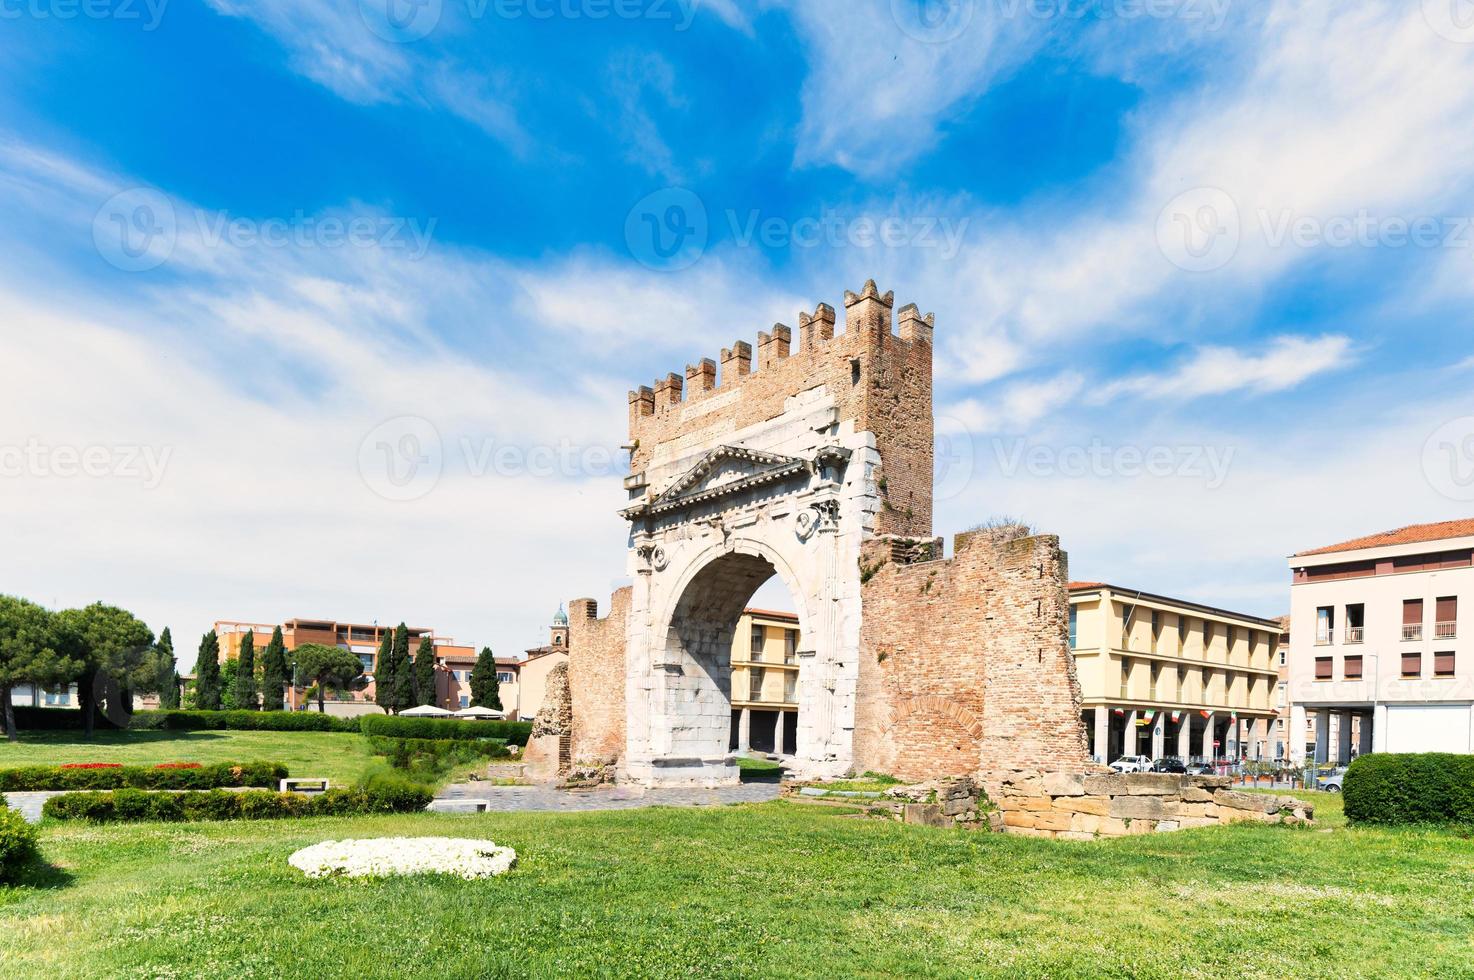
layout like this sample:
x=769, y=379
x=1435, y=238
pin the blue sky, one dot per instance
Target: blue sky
x=259, y=251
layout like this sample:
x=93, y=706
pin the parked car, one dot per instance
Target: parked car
x=1331, y=781
x=1170, y=764
x=1201, y=769
x=1132, y=763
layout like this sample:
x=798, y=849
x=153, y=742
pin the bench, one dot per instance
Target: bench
x=304, y=786
x=459, y=806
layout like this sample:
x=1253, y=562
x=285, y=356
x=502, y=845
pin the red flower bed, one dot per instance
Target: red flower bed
x=92, y=765
x=178, y=765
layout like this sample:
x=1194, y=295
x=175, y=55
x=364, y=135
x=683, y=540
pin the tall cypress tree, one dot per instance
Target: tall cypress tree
x=425, y=672
x=273, y=672
x=168, y=674
x=485, y=688
x=384, y=673
x=404, y=678
x=207, y=673
x=245, y=673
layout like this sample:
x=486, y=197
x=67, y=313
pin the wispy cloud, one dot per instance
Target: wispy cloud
x=1284, y=364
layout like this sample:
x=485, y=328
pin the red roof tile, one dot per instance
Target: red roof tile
x=1414, y=534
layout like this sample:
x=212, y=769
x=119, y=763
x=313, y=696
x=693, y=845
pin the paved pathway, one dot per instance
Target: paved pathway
x=506, y=799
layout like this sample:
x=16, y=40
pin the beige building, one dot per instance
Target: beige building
x=1379, y=660
x=765, y=682
x=1163, y=677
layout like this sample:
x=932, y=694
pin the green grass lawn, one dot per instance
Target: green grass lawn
x=775, y=889
x=340, y=756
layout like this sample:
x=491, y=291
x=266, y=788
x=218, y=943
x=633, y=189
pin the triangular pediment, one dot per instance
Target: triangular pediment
x=722, y=472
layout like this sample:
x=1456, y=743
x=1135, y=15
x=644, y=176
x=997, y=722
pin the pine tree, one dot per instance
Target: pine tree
x=168, y=673
x=245, y=677
x=384, y=673
x=404, y=678
x=207, y=673
x=425, y=672
x=485, y=689
x=273, y=672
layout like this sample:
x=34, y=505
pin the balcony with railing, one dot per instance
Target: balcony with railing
x=1446, y=631
x=1355, y=634
x=1412, y=633
x=1323, y=636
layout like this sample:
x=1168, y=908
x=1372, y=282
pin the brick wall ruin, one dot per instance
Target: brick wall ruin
x=596, y=670
x=965, y=665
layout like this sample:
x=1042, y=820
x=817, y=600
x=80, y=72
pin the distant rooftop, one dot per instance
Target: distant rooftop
x=1412, y=534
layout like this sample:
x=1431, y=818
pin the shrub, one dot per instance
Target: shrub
x=261, y=721
x=170, y=776
x=135, y=805
x=439, y=729
x=17, y=842
x=1407, y=788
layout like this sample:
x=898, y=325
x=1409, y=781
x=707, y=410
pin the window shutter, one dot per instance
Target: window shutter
x=1448, y=609
x=1443, y=665
x=1412, y=612
x=1412, y=664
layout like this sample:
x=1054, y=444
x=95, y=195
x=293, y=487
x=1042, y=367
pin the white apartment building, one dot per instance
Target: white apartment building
x=1379, y=650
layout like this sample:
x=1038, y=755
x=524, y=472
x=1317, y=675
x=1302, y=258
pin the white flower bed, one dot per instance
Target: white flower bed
x=388, y=856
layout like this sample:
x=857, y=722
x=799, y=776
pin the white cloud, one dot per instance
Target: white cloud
x=633, y=79
x=1017, y=407
x=1284, y=364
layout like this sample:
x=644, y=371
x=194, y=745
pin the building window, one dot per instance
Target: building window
x=503, y=677
x=1282, y=687
x=790, y=688
x=1447, y=625
x=757, y=643
x=1412, y=665
x=1181, y=634
x=1126, y=613
x=1074, y=627
x=1156, y=629
x=1323, y=668
x=1207, y=637
x=755, y=684
x=1356, y=623
x=1282, y=656
x=1351, y=667
x=1412, y=619
x=558, y=640
x=1125, y=677
x=465, y=701
x=367, y=661
x=1443, y=664
x=1325, y=623
x=1156, y=680
x=790, y=646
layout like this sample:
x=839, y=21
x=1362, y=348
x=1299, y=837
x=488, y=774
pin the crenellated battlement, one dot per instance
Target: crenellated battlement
x=877, y=372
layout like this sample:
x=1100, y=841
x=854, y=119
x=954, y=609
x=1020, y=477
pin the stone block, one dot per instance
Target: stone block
x=1075, y=835
x=1196, y=794
x=924, y=815
x=956, y=806
x=1110, y=785
x=1210, y=782
x=1100, y=806
x=1064, y=784
x=1167, y=826
x=1154, y=784
x=1251, y=802
x=1085, y=823
x=1138, y=807
x=1054, y=820
x=1015, y=819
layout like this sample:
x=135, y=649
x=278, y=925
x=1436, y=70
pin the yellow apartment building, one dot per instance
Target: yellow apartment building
x=1164, y=677
x=765, y=682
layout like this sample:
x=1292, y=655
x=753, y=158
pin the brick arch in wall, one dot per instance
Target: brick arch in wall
x=939, y=730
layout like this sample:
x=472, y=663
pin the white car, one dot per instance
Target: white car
x=1132, y=763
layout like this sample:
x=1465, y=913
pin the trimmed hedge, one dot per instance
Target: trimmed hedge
x=130, y=805
x=17, y=842
x=1424, y=788
x=41, y=778
x=439, y=729
x=29, y=719
x=249, y=721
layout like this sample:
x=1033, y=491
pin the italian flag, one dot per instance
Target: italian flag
x=1206, y=714
x=1176, y=717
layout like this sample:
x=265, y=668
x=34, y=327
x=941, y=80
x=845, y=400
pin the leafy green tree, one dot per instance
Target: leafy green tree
x=114, y=648
x=245, y=673
x=273, y=672
x=166, y=671
x=425, y=672
x=28, y=653
x=207, y=673
x=384, y=672
x=229, y=667
x=404, y=678
x=325, y=665
x=486, y=691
